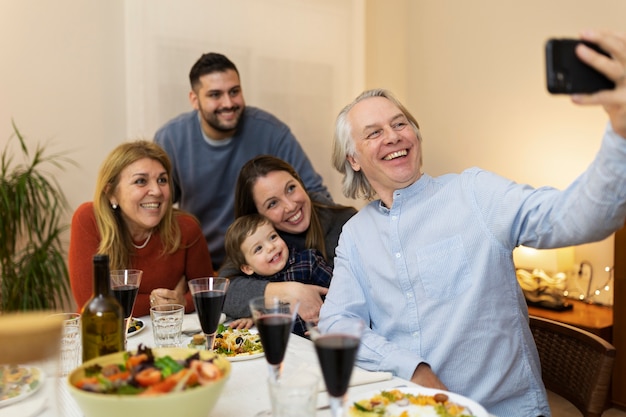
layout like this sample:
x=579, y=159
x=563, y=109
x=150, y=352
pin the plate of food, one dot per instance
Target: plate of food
x=235, y=344
x=135, y=326
x=413, y=402
x=18, y=382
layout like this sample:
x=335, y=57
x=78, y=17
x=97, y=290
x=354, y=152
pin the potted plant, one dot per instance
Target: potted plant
x=32, y=208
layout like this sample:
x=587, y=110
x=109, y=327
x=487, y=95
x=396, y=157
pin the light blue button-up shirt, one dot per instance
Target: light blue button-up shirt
x=434, y=275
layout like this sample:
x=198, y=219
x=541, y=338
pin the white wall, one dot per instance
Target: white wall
x=62, y=80
x=298, y=59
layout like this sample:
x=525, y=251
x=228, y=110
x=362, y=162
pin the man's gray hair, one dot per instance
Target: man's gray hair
x=354, y=183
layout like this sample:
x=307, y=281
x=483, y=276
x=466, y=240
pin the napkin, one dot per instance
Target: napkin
x=359, y=376
x=191, y=323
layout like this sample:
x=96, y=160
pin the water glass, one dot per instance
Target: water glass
x=167, y=324
x=71, y=345
x=294, y=395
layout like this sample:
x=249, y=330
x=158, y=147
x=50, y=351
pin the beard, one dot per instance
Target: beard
x=215, y=122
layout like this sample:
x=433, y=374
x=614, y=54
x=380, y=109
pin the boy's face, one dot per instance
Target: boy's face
x=265, y=251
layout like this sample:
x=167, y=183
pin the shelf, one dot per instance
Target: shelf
x=594, y=318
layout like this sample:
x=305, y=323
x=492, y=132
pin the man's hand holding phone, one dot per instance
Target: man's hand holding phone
x=612, y=65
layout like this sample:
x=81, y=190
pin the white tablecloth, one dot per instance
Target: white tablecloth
x=245, y=394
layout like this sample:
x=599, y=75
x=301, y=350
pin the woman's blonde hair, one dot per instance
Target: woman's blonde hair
x=115, y=238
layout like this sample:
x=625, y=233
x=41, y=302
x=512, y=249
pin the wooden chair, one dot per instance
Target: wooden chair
x=575, y=364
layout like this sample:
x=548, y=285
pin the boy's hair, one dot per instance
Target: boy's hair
x=237, y=232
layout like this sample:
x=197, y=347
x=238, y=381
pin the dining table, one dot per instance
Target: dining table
x=245, y=393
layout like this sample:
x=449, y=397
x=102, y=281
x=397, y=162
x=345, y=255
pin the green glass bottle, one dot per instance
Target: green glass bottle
x=102, y=316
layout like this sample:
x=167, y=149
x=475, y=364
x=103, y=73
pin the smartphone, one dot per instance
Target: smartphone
x=566, y=74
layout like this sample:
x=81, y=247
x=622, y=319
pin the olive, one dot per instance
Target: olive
x=441, y=397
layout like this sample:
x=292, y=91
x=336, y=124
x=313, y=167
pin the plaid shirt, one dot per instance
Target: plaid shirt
x=308, y=267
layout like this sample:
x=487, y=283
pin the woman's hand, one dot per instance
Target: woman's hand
x=160, y=296
x=613, y=101
x=309, y=296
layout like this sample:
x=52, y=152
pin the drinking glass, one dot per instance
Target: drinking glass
x=71, y=344
x=336, y=351
x=208, y=297
x=167, y=324
x=125, y=286
x=274, y=320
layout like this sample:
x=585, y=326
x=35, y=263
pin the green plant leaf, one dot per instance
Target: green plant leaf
x=32, y=204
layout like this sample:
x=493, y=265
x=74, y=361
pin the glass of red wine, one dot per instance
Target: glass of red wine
x=274, y=320
x=125, y=286
x=208, y=297
x=336, y=351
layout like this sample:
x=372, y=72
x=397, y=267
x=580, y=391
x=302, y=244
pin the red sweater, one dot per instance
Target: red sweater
x=192, y=260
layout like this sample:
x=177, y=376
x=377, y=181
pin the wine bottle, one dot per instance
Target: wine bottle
x=102, y=316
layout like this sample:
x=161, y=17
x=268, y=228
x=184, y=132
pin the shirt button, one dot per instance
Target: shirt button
x=394, y=217
x=398, y=255
x=409, y=295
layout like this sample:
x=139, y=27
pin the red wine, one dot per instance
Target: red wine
x=336, y=354
x=274, y=330
x=126, y=295
x=209, y=307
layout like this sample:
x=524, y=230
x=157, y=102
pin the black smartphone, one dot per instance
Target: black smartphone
x=566, y=74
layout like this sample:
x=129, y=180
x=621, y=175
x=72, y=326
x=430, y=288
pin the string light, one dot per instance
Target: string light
x=606, y=286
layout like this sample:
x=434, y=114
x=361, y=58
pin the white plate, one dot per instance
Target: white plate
x=244, y=357
x=476, y=409
x=143, y=326
x=24, y=386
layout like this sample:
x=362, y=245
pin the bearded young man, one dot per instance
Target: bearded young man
x=209, y=145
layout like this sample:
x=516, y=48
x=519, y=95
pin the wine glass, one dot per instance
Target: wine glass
x=274, y=320
x=125, y=286
x=208, y=297
x=336, y=351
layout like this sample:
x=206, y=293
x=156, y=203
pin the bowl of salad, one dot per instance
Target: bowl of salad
x=159, y=382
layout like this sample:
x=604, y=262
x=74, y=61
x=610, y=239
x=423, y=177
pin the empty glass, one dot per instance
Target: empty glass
x=167, y=324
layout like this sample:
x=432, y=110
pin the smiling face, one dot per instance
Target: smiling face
x=143, y=195
x=219, y=99
x=282, y=199
x=388, y=150
x=265, y=252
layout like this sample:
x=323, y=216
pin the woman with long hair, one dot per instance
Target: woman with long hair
x=270, y=186
x=132, y=220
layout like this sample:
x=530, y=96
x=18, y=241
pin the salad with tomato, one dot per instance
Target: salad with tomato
x=144, y=374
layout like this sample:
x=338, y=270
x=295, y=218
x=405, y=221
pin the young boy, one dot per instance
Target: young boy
x=253, y=245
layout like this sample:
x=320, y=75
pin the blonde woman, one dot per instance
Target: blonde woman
x=132, y=220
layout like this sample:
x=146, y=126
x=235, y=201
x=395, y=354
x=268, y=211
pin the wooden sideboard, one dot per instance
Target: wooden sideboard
x=594, y=318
